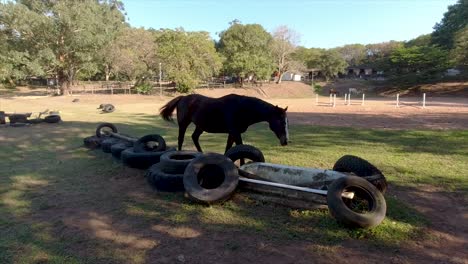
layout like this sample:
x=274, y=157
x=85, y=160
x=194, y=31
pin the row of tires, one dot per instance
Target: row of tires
x=211, y=178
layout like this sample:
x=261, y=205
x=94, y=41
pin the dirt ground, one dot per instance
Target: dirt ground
x=448, y=214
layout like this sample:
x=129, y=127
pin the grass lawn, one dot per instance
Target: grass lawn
x=61, y=203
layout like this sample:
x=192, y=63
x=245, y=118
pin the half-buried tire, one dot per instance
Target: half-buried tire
x=141, y=160
x=211, y=178
x=366, y=209
x=150, y=143
x=107, y=143
x=362, y=168
x=117, y=149
x=100, y=130
x=163, y=181
x=175, y=162
x=246, y=152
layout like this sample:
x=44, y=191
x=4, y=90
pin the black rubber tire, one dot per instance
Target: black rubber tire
x=108, y=108
x=339, y=209
x=362, y=168
x=52, y=119
x=175, y=162
x=117, y=149
x=18, y=118
x=245, y=152
x=107, y=143
x=92, y=142
x=141, y=160
x=215, y=189
x=163, y=181
x=141, y=145
x=103, y=125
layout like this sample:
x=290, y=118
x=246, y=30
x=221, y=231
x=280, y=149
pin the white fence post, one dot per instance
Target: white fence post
x=349, y=99
x=398, y=100
x=424, y=100
x=345, y=98
x=363, y=98
x=334, y=100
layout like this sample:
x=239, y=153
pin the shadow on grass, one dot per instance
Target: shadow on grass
x=63, y=203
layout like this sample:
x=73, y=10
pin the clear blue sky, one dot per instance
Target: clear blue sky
x=321, y=23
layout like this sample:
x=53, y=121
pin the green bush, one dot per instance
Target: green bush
x=144, y=88
x=317, y=88
x=185, y=83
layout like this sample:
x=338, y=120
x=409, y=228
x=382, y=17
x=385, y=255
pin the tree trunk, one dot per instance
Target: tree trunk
x=64, y=84
x=107, y=71
x=280, y=76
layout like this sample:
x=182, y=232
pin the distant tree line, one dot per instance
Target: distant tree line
x=90, y=40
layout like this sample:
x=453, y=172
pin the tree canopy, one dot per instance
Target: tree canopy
x=246, y=49
x=89, y=39
x=59, y=37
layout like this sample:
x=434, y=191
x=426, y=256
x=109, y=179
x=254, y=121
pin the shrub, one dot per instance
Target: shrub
x=144, y=88
x=317, y=88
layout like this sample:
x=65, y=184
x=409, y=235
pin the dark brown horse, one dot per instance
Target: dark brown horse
x=231, y=114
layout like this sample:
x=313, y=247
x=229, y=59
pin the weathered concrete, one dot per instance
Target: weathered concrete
x=291, y=175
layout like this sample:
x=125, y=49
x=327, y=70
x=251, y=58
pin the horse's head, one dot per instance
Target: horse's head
x=279, y=124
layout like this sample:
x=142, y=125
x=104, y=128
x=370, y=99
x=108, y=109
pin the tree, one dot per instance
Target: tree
x=427, y=60
x=284, y=44
x=423, y=40
x=330, y=64
x=454, y=20
x=136, y=60
x=66, y=35
x=187, y=57
x=460, y=51
x=246, y=49
x=353, y=54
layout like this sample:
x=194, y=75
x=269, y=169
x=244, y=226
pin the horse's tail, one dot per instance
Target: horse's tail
x=166, y=110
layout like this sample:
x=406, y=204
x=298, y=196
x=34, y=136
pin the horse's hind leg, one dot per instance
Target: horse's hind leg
x=182, y=129
x=195, y=136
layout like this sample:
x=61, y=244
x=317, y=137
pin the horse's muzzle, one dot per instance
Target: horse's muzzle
x=283, y=141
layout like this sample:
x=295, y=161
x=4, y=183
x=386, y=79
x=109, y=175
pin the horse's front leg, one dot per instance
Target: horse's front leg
x=195, y=136
x=238, y=139
x=230, y=141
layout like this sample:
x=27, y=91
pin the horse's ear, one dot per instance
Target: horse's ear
x=286, y=109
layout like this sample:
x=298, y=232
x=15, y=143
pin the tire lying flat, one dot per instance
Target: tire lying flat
x=117, y=149
x=366, y=209
x=52, y=119
x=362, y=168
x=162, y=181
x=211, y=178
x=141, y=160
x=107, y=143
x=175, y=162
x=92, y=142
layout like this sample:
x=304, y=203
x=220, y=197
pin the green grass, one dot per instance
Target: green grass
x=45, y=172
